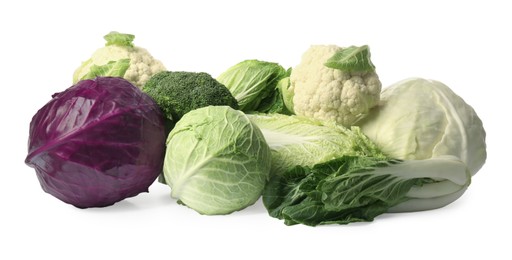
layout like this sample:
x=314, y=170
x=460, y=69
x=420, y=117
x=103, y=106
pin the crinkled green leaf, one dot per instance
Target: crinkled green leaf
x=296, y=140
x=252, y=82
x=216, y=161
x=357, y=188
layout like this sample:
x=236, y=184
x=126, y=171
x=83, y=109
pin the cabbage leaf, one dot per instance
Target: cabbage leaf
x=296, y=140
x=111, y=69
x=253, y=83
x=356, y=188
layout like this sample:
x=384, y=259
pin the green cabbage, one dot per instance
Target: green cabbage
x=420, y=119
x=216, y=161
x=253, y=83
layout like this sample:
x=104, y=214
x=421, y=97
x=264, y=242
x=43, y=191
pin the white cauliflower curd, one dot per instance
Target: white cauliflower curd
x=344, y=94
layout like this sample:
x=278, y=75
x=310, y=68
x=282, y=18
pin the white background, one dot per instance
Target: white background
x=465, y=44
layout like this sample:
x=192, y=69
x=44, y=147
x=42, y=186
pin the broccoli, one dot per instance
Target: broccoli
x=178, y=92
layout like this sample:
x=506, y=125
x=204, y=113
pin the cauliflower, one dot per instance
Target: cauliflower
x=335, y=84
x=119, y=47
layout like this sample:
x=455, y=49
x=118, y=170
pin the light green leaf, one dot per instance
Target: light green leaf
x=251, y=82
x=287, y=94
x=119, y=39
x=352, y=59
x=296, y=140
x=111, y=69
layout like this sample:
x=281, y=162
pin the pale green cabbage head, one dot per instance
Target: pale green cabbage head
x=421, y=119
x=253, y=83
x=217, y=160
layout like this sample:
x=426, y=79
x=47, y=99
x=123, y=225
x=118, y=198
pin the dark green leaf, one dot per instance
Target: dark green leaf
x=344, y=190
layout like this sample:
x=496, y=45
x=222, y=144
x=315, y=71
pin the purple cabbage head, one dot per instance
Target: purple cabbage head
x=96, y=143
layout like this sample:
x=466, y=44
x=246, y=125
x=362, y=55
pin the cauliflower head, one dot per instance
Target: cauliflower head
x=119, y=47
x=333, y=95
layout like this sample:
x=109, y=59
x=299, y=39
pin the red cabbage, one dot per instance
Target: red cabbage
x=97, y=143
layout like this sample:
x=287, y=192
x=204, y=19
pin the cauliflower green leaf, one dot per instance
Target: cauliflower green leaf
x=119, y=39
x=111, y=69
x=353, y=58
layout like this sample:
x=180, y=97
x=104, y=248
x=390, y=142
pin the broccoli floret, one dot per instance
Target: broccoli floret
x=178, y=92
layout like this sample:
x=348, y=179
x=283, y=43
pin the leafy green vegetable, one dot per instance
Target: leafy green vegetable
x=216, y=160
x=273, y=104
x=357, y=188
x=326, y=174
x=300, y=141
x=111, y=69
x=281, y=100
x=252, y=82
x=352, y=58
